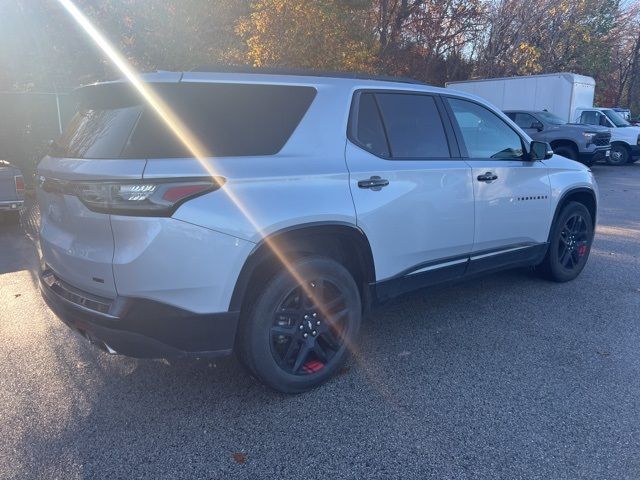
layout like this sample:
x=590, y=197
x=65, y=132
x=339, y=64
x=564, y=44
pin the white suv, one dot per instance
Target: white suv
x=318, y=197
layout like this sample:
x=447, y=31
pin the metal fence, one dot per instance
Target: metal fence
x=28, y=121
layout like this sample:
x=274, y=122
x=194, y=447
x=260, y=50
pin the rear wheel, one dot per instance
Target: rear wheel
x=569, y=245
x=298, y=332
x=619, y=155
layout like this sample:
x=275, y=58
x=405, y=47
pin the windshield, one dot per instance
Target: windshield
x=616, y=119
x=551, y=118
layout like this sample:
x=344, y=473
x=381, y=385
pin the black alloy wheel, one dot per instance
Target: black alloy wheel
x=574, y=242
x=299, y=329
x=569, y=244
x=309, y=327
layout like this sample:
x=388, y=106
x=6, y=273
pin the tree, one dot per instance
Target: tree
x=428, y=39
x=43, y=48
x=324, y=34
x=529, y=36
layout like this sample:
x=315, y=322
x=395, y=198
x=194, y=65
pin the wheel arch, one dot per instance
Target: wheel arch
x=343, y=242
x=564, y=142
x=583, y=195
x=622, y=144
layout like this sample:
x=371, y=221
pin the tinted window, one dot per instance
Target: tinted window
x=101, y=126
x=523, y=120
x=370, y=132
x=413, y=126
x=484, y=133
x=227, y=120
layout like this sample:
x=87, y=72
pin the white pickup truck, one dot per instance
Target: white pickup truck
x=625, y=138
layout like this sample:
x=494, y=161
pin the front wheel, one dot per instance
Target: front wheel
x=567, y=151
x=619, y=155
x=299, y=330
x=569, y=244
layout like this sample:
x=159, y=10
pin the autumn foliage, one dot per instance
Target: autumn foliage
x=431, y=40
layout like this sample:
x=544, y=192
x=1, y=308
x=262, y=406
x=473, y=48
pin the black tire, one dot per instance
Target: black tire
x=619, y=155
x=290, y=343
x=569, y=244
x=567, y=151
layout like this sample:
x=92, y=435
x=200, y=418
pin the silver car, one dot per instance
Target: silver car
x=285, y=208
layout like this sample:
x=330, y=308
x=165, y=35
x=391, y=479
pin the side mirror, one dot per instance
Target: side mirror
x=538, y=126
x=540, y=151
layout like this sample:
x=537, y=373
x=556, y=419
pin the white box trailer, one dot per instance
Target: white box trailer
x=559, y=93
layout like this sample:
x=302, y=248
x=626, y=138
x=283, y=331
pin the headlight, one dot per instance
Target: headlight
x=588, y=136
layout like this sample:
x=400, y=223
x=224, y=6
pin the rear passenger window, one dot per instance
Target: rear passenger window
x=370, y=131
x=413, y=125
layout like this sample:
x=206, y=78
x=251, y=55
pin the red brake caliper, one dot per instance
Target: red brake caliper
x=313, y=366
x=582, y=250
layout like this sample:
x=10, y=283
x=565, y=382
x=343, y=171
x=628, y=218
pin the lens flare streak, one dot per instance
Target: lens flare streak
x=179, y=129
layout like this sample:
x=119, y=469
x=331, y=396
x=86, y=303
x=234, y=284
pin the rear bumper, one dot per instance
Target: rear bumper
x=138, y=327
x=11, y=205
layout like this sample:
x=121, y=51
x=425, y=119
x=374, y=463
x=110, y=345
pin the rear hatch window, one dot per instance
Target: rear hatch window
x=227, y=119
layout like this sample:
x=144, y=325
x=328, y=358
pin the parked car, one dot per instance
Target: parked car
x=11, y=191
x=625, y=138
x=311, y=199
x=583, y=143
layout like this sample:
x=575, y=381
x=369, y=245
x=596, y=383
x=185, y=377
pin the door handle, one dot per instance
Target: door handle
x=375, y=183
x=487, y=177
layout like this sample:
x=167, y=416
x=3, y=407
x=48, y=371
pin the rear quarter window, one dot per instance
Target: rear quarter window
x=97, y=133
x=226, y=119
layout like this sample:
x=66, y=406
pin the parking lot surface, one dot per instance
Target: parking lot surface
x=508, y=376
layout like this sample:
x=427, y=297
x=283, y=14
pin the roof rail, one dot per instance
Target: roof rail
x=301, y=72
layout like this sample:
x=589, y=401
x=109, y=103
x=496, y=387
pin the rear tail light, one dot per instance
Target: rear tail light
x=142, y=198
x=19, y=179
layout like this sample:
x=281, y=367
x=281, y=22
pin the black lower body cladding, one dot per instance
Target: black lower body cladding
x=138, y=327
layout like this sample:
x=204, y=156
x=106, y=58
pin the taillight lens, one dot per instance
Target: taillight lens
x=145, y=198
x=19, y=183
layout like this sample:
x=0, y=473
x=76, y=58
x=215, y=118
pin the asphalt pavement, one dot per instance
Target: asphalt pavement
x=507, y=376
